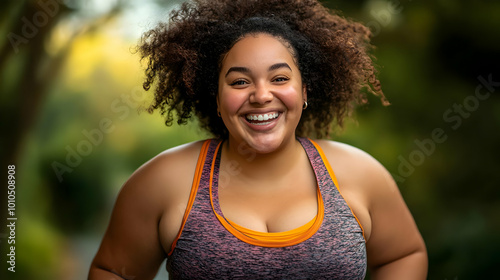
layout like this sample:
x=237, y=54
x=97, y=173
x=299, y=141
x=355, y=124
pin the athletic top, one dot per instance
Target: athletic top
x=208, y=246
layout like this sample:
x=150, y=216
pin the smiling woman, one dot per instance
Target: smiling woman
x=261, y=93
x=260, y=200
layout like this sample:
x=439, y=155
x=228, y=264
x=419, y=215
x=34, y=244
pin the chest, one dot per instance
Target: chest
x=270, y=206
x=334, y=251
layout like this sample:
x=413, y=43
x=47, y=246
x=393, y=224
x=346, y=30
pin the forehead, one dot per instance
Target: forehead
x=260, y=48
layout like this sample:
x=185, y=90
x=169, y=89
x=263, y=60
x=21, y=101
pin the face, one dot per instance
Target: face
x=260, y=94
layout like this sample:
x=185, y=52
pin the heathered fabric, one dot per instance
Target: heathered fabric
x=207, y=250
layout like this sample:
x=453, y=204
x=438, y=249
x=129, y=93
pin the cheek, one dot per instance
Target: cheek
x=230, y=102
x=291, y=97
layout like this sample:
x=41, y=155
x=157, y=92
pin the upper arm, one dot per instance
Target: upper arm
x=390, y=230
x=394, y=232
x=133, y=245
x=130, y=247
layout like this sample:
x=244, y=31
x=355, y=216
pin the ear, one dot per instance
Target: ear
x=304, y=92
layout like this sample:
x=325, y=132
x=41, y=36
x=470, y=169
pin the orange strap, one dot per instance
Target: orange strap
x=332, y=175
x=194, y=189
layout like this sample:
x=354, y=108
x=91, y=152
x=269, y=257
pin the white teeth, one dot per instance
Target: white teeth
x=264, y=117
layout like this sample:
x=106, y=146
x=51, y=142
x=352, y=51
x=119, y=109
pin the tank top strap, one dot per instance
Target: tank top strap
x=200, y=185
x=327, y=182
x=207, y=166
x=319, y=164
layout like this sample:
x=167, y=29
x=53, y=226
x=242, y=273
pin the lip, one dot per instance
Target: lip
x=267, y=111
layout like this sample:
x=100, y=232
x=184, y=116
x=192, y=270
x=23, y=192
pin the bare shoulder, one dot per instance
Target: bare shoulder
x=159, y=183
x=354, y=163
x=166, y=164
x=166, y=173
x=336, y=149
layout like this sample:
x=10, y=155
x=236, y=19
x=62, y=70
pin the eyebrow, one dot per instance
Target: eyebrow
x=278, y=66
x=246, y=70
x=238, y=69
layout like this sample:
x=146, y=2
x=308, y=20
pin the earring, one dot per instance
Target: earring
x=305, y=105
x=218, y=113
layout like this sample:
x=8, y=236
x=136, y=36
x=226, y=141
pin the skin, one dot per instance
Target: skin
x=268, y=183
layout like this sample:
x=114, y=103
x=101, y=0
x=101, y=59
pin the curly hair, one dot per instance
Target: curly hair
x=184, y=58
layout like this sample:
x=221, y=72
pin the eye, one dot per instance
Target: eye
x=238, y=83
x=281, y=79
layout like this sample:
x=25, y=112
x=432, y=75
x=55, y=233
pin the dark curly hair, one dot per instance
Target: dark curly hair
x=184, y=58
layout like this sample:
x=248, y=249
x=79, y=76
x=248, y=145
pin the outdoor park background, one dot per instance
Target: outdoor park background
x=74, y=73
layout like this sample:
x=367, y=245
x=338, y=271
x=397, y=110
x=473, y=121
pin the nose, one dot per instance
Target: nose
x=262, y=94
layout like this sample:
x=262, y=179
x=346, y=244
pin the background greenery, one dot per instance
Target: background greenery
x=74, y=72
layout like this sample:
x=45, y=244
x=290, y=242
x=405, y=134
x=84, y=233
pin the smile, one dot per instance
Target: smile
x=261, y=119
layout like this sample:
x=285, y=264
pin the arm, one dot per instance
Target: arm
x=131, y=246
x=395, y=248
x=146, y=217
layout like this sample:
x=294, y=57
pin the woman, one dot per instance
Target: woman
x=259, y=200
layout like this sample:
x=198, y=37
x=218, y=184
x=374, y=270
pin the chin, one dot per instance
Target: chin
x=265, y=149
x=265, y=144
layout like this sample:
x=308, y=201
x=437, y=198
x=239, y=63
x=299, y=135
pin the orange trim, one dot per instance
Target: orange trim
x=332, y=175
x=273, y=236
x=270, y=239
x=194, y=190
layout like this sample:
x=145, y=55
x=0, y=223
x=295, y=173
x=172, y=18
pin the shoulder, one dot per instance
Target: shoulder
x=343, y=157
x=356, y=167
x=165, y=176
x=163, y=165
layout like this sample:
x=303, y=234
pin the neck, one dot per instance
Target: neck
x=245, y=163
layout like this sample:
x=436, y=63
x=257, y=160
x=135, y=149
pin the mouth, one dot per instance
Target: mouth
x=262, y=119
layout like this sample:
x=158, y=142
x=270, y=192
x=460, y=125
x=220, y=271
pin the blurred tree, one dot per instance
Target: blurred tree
x=35, y=69
x=28, y=68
